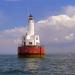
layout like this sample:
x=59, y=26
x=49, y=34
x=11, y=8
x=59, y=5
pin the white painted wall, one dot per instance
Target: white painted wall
x=31, y=27
x=30, y=36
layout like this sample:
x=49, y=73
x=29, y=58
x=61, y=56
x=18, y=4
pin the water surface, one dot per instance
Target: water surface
x=52, y=64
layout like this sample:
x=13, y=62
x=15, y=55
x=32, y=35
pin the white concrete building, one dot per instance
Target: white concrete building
x=30, y=38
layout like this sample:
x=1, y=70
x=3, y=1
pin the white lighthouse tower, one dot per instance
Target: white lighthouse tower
x=31, y=25
x=30, y=38
x=30, y=46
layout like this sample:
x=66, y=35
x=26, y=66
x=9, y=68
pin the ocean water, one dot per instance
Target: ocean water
x=52, y=64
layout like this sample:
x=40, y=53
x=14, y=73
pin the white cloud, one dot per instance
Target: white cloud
x=11, y=35
x=69, y=37
x=56, y=26
x=59, y=20
x=56, y=39
x=60, y=26
x=69, y=10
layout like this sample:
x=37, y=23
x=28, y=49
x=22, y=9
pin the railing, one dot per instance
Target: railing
x=19, y=45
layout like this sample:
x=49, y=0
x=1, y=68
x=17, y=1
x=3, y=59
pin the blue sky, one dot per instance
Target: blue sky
x=55, y=23
x=15, y=12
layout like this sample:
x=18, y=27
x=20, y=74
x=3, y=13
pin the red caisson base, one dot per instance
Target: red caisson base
x=31, y=51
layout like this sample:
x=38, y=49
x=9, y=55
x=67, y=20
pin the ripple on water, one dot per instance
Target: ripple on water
x=51, y=65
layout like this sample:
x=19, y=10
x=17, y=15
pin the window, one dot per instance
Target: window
x=36, y=38
x=24, y=43
x=30, y=42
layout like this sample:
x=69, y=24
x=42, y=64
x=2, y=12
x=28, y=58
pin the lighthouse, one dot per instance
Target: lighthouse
x=31, y=25
x=30, y=46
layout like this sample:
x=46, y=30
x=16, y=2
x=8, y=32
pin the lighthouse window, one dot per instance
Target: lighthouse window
x=36, y=38
x=24, y=38
x=24, y=43
x=30, y=42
